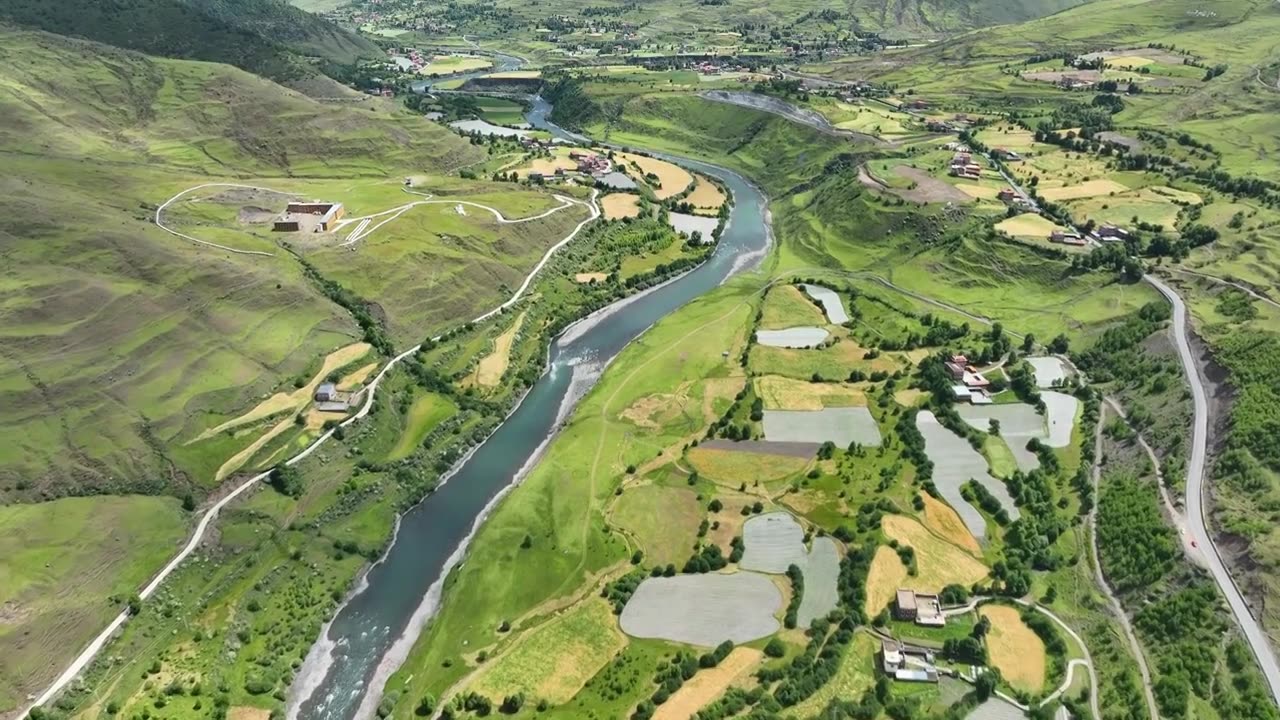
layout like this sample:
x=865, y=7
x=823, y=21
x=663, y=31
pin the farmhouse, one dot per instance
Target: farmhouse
x=327, y=392
x=963, y=166
x=921, y=608
x=1006, y=196
x=316, y=216
x=330, y=399
x=1111, y=233
x=907, y=663
x=1006, y=154
x=956, y=366
x=1067, y=237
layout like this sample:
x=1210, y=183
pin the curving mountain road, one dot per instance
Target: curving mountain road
x=95, y=646
x=1197, y=521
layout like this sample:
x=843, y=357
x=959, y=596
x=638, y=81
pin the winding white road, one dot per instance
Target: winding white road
x=1197, y=521
x=95, y=646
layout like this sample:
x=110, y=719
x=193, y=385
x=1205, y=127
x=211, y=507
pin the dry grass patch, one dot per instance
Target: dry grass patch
x=943, y=520
x=730, y=518
x=788, y=306
x=591, y=277
x=886, y=575
x=294, y=401
x=620, y=205
x=655, y=411
x=708, y=685
x=315, y=419
x=938, y=562
x=1028, y=225
x=783, y=393
x=705, y=195
x=731, y=468
x=555, y=659
x=356, y=378
x=664, y=520
x=548, y=166
x=244, y=712
x=491, y=367
x=672, y=179
x=1087, y=189
x=982, y=192
x=909, y=397
x=1015, y=649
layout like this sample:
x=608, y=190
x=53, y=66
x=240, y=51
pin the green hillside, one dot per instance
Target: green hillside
x=266, y=37
x=116, y=332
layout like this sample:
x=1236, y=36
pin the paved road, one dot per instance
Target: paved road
x=95, y=646
x=1116, y=608
x=1196, y=519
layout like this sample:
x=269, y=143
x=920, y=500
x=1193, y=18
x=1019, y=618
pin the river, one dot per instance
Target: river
x=372, y=633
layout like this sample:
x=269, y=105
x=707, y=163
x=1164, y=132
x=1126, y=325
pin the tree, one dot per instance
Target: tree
x=511, y=704
x=286, y=480
x=775, y=648
x=1059, y=345
x=426, y=705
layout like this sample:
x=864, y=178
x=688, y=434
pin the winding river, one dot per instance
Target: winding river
x=372, y=633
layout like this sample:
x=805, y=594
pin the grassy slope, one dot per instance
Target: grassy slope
x=1231, y=111
x=114, y=332
x=265, y=37
x=103, y=547
x=828, y=221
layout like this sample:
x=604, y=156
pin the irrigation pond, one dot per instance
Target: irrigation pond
x=794, y=337
x=839, y=425
x=830, y=301
x=704, y=609
x=955, y=463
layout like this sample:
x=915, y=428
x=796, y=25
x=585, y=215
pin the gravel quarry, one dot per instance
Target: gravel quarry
x=795, y=337
x=830, y=301
x=838, y=425
x=704, y=610
x=955, y=462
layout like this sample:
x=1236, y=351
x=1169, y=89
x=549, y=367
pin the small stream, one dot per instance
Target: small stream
x=373, y=632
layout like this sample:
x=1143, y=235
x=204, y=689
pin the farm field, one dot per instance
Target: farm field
x=715, y=521
x=1015, y=649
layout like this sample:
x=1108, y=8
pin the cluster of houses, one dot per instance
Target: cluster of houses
x=970, y=385
x=963, y=166
x=589, y=164
x=909, y=663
